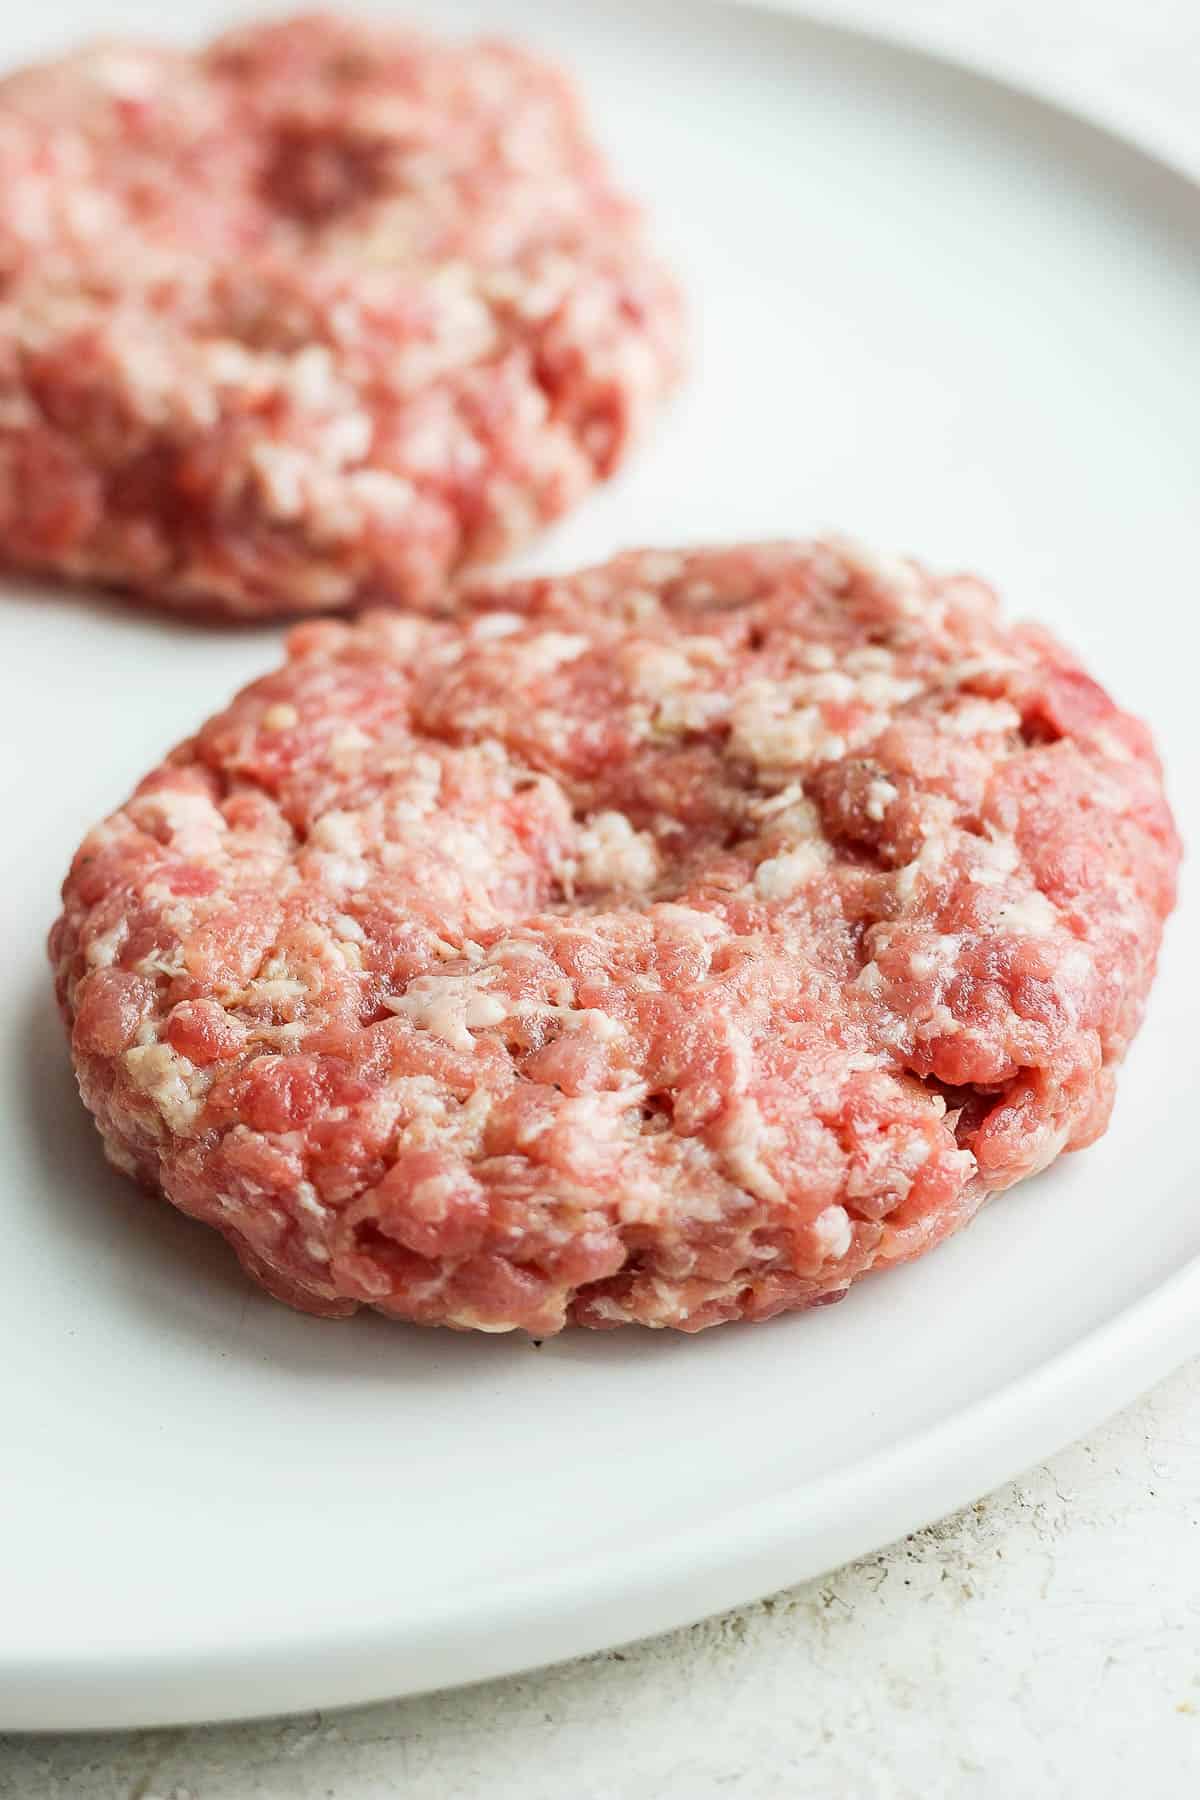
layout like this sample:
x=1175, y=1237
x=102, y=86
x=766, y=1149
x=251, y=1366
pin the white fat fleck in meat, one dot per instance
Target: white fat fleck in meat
x=400, y=638
x=307, y=1202
x=744, y=1137
x=168, y=960
x=611, y=854
x=1042, y=1151
x=277, y=986
x=870, y=979
x=384, y=495
x=927, y=864
x=469, y=1321
x=414, y=791
x=782, y=876
x=120, y=1157
x=1114, y=746
x=940, y=1023
x=280, y=717
x=833, y=1232
x=346, y=749
x=174, y=1084
x=996, y=856
x=828, y=684
x=880, y=794
x=590, y=1020
x=765, y=806
x=865, y=658
x=936, y=955
x=467, y=849
x=1031, y=914
x=911, y=1150
x=103, y=950
x=974, y=717
x=430, y=1199
x=348, y=929
x=229, y=363
x=515, y=950
x=339, y=831
x=312, y=378
x=346, y=438
x=281, y=472
x=771, y=739
x=896, y=576
x=642, y=1203
x=688, y=919
x=189, y=820
x=449, y=1007
x=338, y=874
x=656, y=670
x=878, y=689
x=694, y=709
x=797, y=823
x=548, y=651
x=496, y=625
x=1077, y=969
x=595, y=1023
x=994, y=662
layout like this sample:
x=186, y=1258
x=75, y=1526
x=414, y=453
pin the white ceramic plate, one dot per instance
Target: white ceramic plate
x=934, y=312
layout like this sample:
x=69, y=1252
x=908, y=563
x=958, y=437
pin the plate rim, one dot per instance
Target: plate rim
x=748, y=1549
x=1138, y=126
x=651, y=1588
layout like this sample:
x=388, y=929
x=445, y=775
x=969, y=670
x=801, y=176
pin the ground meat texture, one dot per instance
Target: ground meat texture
x=669, y=943
x=318, y=314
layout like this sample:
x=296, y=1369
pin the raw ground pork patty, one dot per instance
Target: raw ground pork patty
x=317, y=314
x=669, y=943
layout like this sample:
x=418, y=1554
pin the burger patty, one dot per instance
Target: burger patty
x=669, y=943
x=320, y=313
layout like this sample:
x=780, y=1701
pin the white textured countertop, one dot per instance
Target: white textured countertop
x=1046, y=1642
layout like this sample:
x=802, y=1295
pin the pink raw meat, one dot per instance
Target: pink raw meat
x=669, y=943
x=321, y=313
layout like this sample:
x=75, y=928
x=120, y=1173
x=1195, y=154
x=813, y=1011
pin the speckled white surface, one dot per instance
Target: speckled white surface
x=1044, y=1643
